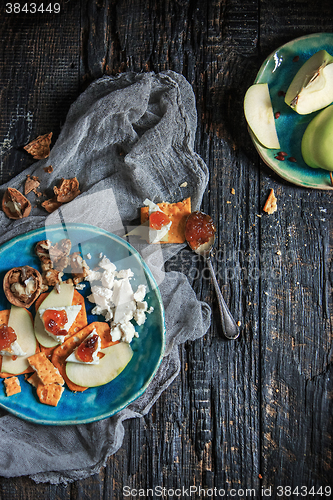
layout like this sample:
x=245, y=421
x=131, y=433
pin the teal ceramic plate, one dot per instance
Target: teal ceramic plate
x=278, y=70
x=104, y=401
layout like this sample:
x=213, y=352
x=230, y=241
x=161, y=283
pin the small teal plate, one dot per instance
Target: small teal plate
x=278, y=70
x=100, y=402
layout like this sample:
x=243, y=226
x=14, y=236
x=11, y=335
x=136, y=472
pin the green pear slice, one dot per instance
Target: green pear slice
x=259, y=115
x=115, y=360
x=20, y=321
x=312, y=87
x=317, y=140
x=62, y=298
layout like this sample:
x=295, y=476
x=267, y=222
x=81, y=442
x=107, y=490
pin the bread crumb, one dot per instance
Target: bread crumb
x=271, y=203
x=232, y=191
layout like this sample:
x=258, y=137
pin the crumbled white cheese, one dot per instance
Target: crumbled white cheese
x=140, y=293
x=124, y=273
x=139, y=313
x=108, y=278
x=128, y=332
x=80, y=286
x=142, y=306
x=124, y=331
x=116, y=333
x=98, y=310
x=114, y=299
x=100, y=295
x=88, y=256
x=123, y=299
x=105, y=263
x=140, y=317
x=93, y=275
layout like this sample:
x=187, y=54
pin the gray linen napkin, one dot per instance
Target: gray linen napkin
x=126, y=139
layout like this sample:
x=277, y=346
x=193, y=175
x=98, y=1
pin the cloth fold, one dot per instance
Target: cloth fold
x=126, y=138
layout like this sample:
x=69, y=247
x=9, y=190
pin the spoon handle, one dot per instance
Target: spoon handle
x=229, y=326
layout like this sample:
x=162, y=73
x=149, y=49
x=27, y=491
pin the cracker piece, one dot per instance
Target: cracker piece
x=33, y=380
x=177, y=213
x=12, y=386
x=270, y=206
x=46, y=371
x=62, y=352
x=4, y=316
x=49, y=394
x=39, y=148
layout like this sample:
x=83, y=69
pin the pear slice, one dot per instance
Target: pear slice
x=115, y=360
x=312, y=87
x=259, y=115
x=317, y=141
x=63, y=298
x=20, y=321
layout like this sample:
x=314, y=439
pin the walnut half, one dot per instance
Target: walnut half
x=22, y=285
x=15, y=205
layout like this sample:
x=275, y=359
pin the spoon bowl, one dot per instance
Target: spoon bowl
x=200, y=236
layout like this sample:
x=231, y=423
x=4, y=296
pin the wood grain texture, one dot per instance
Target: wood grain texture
x=244, y=414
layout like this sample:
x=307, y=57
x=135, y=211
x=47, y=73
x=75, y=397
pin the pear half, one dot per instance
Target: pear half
x=116, y=358
x=312, y=87
x=21, y=322
x=317, y=140
x=259, y=115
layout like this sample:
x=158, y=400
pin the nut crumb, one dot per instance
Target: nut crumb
x=183, y=185
x=39, y=148
x=31, y=184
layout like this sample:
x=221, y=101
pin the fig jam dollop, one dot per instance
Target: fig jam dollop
x=54, y=321
x=199, y=229
x=7, y=336
x=86, y=350
x=158, y=219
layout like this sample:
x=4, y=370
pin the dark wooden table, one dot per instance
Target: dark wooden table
x=250, y=414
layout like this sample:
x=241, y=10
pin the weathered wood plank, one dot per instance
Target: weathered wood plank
x=296, y=317
x=205, y=441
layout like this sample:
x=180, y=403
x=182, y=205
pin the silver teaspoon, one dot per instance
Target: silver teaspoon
x=200, y=236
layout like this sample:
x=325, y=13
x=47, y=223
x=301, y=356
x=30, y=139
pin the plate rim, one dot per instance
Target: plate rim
x=147, y=271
